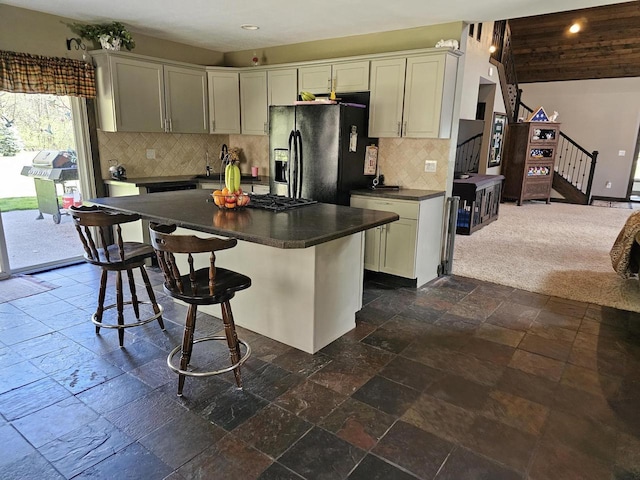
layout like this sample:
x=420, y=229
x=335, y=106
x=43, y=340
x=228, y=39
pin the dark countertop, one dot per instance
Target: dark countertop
x=182, y=179
x=478, y=180
x=401, y=194
x=298, y=228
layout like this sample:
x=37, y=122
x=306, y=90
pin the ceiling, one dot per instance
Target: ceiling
x=608, y=45
x=216, y=24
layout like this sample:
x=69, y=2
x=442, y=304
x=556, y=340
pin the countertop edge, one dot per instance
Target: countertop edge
x=401, y=194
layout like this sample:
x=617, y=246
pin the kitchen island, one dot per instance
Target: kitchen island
x=306, y=264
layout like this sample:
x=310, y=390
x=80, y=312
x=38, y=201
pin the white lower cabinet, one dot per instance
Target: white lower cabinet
x=410, y=246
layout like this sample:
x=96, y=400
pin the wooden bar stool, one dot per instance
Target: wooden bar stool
x=109, y=252
x=205, y=286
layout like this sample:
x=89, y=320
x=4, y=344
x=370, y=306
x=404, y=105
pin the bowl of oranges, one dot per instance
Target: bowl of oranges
x=230, y=200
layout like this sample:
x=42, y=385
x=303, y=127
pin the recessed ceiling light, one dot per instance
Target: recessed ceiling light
x=492, y=48
x=248, y=26
x=575, y=28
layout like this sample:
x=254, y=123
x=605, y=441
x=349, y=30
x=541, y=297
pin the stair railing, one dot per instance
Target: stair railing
x=468, y=154
x=573, y=162
x=502, y=57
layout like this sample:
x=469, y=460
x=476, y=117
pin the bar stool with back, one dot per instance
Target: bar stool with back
x=204, y=286
x=109, y=252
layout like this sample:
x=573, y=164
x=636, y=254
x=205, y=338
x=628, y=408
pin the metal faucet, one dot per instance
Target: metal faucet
x=207, y=170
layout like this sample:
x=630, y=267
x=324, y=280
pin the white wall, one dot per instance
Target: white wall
x=601, y=115
x=477, y=70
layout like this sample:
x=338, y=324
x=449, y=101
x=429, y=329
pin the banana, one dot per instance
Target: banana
x=236, y=178
x=307, y=96
x=232, y=177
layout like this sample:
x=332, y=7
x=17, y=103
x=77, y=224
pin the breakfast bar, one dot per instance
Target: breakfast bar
x=306, y=264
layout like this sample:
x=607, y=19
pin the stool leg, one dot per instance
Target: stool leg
x=134, y=297
x=101, y=294
x=152, y=296
x=187, y=344
x=232, y=339
x=120, y=303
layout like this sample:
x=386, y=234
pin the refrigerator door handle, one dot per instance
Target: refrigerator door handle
x=290, y=161
x=300, y=163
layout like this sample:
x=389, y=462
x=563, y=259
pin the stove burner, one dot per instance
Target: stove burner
x=277, y=203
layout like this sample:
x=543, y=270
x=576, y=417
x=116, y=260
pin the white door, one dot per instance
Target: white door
x=387, y=93
x=224, y=102
x=315, y=79
x=138, y=90
x=186, y=99
x=253, y=103
x=282, y=86
x=423, y=97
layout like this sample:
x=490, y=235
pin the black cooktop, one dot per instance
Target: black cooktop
x=277, y=203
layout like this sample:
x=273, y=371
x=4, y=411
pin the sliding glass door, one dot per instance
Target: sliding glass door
x=35, y=129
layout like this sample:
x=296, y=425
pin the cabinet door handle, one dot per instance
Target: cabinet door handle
x=164, y=127
x=398, y=128
x=213, y=125
x=404, y=129
x=170, y=126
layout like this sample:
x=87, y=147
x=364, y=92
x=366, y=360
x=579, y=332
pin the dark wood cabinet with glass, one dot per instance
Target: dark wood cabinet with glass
x=529, y=161
x=479, y=201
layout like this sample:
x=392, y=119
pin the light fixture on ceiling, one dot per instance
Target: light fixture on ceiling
x=492, y=49
x=575, y=28
x=248, y=26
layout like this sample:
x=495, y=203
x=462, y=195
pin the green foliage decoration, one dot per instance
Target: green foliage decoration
x=112, y=30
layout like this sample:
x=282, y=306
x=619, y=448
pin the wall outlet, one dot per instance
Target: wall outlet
x=607, y=185
x=430, y=165
x=622, y=153
x=151, y=153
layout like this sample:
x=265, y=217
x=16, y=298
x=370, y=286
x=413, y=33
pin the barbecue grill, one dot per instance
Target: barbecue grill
x=51, y=168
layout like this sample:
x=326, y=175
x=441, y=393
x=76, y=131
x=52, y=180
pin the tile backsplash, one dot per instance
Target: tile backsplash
x=177, y=154
x=401, y=159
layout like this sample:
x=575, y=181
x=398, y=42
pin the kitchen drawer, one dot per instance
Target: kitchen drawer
x=403, y=208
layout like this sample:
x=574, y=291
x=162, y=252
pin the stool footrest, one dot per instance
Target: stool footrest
x=212, y=372
x=132, y=324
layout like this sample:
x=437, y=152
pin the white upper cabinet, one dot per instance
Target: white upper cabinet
x=253, y=102
x=413, y=96
x=343, y=76
x=428, y=97
x=387, y=93
x=137, y=95
x=282, y=86
x=224, y=101
x=186, y=99
x=351, y=76
x=315, y=78
x=130, y=95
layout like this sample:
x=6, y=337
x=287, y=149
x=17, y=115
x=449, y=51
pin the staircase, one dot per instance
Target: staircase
x=575, y=166
x=468, y=155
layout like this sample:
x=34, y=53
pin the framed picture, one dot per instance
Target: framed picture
x=498, y=129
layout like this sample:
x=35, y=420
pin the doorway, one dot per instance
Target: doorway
x=40, y=137
x=634, y=182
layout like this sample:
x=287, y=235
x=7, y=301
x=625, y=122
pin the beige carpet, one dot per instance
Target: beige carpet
x=558, y=249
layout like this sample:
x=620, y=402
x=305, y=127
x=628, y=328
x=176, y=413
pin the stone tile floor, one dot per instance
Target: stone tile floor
x=459, y=379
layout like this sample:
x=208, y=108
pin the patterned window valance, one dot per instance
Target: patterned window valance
x=25, y=73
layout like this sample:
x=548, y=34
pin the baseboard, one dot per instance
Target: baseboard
x=388, y=279
x=609, y=199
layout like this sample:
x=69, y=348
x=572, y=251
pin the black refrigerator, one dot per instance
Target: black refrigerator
x=317, y=151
